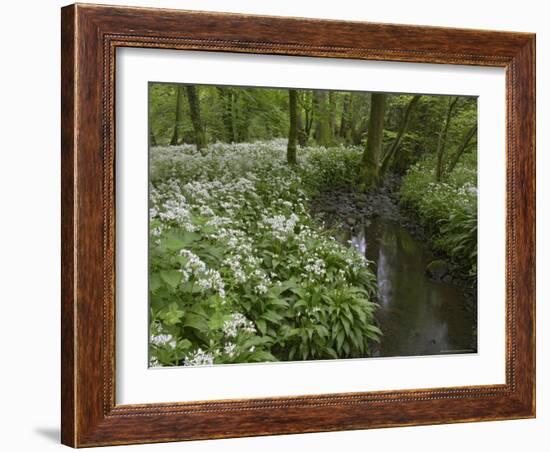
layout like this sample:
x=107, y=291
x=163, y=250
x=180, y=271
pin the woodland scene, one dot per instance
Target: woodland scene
x=302, y=224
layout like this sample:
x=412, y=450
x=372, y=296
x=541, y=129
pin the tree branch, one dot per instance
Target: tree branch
x=460, y=150
x=389, y=155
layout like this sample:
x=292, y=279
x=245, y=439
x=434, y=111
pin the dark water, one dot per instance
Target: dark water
x=417, y=315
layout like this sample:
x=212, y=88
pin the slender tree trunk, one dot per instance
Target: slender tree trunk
x=358, y=120
x=323, y=130
x=345, y=122
x=442, y=141
x=390, y=155
x=177, y=122
x=194, y=107
x=302, y=137
x=373, y=149
x=460, y=150
x=226, y=98
x=332, y=100
x=308, y=112
x=242, y=122
x=293, y=127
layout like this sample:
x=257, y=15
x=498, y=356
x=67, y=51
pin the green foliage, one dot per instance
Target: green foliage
x=239, y=271
x=336, y=167
x=448, y=209
x=229, y=114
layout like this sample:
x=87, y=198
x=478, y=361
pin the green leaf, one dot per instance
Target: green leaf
x=171, y=277
x=340, y=339
x=155, y=282
x=172, y=243
x=196, y=322
x=261, y=325
x=322, y=331
x=262, y=355
x=278, y=302
x=173, y=315
x=175, y=242
x=184, y=344
x=272, y=316
x=216, y=321
x=374, y=329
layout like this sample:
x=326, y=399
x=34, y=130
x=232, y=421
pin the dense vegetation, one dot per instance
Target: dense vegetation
x=447, y=209
x=239, y=269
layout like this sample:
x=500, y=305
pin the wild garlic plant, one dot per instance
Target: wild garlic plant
x=448, y=209
x=239, y=270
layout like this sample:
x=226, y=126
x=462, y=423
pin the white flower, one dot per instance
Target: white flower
x=154, y=362
x=163, y=339
x=199, y=358
x=237, y=322
x=316, y=266
x=206, y=278
x=229, y=349
x=281, y=226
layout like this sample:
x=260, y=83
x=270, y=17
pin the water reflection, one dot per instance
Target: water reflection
x=417, y=316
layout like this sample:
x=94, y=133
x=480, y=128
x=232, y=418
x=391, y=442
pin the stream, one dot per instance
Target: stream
x=417, y=315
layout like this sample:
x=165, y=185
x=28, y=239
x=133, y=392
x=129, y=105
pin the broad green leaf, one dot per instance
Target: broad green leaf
x=261, y=325
x=171, y=277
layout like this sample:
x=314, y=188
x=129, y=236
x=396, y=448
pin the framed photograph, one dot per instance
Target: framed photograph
x=281, y=225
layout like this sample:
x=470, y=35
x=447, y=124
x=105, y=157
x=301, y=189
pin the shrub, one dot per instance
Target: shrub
x=334, y=168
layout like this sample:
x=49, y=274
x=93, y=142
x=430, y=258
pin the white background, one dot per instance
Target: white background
x=29, y=185
x=137, y=384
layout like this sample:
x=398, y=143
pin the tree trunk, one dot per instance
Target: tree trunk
x=390, y=155
x=194, y=107
x=322, y=131
x=308, y=112
x=358, y=119
x=177, y=123
x=460, y=150
x=332, y=102
x=293, y=127
x=242, y=118
x=345, y=122
x=373, y=149
x=302, y=136
x=226, y=97
x=442, y=141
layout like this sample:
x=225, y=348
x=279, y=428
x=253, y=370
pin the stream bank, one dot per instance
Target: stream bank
x=426, y=307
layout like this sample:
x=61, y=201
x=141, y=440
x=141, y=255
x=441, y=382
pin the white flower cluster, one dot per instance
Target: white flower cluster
x=163, y=339
x=229, y=349
x=199, y=358
x=316, y=268
x=280, y=225
x=238, y=322
x=234, y=263
x=249, y=216
x=154, y=362
x=159, y=338
x=206, y=278
x=170, y=206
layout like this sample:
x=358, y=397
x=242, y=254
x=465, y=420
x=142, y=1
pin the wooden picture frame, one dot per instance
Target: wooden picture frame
x=90, y=36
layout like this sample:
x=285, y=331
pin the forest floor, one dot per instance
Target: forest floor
x=239, y=227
